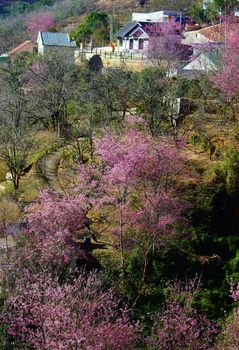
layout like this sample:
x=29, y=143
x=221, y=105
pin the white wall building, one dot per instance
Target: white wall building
x=159, y=16
x=56, y=42
x=133, y=37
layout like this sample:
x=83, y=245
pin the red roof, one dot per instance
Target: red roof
x=21, y=46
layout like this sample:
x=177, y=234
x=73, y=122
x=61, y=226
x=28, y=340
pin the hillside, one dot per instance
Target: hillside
x=4, y=4
x=119, y=176
x=108, y=5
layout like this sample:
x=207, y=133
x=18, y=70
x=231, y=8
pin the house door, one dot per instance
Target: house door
x=131, y=44
x=141, y=44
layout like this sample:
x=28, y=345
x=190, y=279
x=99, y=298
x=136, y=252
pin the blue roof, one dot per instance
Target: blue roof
x=126, y=29
x=57, y=39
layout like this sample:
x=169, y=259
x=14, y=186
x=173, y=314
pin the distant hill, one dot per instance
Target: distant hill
x=110, y=4
x=4, y=4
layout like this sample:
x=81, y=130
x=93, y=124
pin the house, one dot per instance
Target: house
x=56, y=42
x=27, y=46
x=134, y=36
x=159, y=16
x=204, y=62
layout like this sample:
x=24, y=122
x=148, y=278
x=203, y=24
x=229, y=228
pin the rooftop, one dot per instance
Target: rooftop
x=57, y=39
x=214, y=33
x=146, y=26
x=21, y=46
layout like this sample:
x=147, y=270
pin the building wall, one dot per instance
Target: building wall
x=159, y=16
x=40, y=45
x=126, y=44
x=67, y=52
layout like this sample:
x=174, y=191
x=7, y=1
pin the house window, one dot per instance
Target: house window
x=120, y=42
x=131, y=44
x=141, y=44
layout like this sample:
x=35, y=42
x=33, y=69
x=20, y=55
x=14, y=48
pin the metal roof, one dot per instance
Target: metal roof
x=57, y=39
x=215, y=57
x=127, y=28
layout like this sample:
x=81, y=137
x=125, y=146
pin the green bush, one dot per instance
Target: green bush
x=96, y=27
x=228, y=172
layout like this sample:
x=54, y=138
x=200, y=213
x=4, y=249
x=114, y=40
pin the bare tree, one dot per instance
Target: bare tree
x=14, y=105
x=52, y=83
x=12, y=32
x=116, y=89
x=15, y=147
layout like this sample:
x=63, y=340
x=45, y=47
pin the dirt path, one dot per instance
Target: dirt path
x=49, y=166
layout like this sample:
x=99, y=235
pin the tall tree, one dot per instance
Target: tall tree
x=14, y=102
x=15, y=147
x=134, y=188
x=52, y=80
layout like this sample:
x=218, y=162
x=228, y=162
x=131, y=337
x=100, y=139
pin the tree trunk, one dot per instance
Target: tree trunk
x=121, y=240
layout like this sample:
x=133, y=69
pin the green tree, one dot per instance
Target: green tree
x=157, y=97
x=96, y=27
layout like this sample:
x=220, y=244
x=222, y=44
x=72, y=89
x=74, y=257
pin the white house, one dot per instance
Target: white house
x=159, y=16
x=133, y=36
x=56, y=42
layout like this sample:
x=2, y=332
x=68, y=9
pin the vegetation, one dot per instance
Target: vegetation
x=118, y=210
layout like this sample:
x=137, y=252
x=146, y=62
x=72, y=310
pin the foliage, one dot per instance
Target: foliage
x=95, y=27
x=228, y=171
x=51, y=81
x=14, y=152
x=156, y=98
x=41, y=22
x=197, y=12
x=135, y=182
x=229, y=339
x=78, y=314
x=226, y=79
x=178, y=326
x=53, y=227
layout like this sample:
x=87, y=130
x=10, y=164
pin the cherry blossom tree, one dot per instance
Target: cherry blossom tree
x=43, y=314
x=165, y=48
x=178, y=326
x=227, y=77
x=54, y=224
x=40, y=22
x=229, y=339
x=134, y=187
